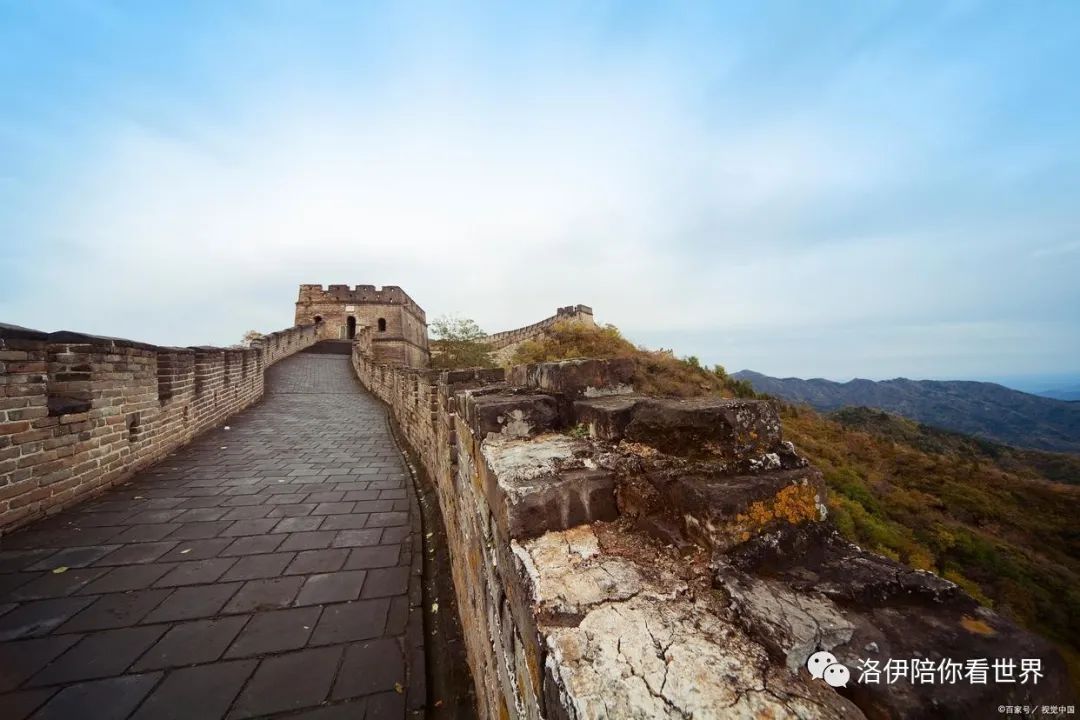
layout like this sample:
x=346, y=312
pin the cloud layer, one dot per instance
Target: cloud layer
x=880, y=194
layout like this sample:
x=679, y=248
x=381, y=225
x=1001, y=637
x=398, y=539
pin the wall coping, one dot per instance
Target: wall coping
x=17, y=332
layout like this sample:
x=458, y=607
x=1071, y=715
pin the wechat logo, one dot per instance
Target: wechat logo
x=823, y=666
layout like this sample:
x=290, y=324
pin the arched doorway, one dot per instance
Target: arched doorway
x=350, y=328
x=382, y=324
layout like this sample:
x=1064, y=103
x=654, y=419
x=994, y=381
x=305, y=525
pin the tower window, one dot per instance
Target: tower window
x=350, y=329
x=382, y=324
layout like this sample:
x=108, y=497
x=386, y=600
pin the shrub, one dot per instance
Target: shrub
x=569, y=339
x=459, y=343
x=656, y=372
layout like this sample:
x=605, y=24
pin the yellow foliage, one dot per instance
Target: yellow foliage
x=574, y=339
x=976, y=626
x=655, y=372
x=921, y=559
x=999, y=531
x=793, y=504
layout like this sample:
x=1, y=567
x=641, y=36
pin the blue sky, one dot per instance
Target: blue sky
x=812, y=189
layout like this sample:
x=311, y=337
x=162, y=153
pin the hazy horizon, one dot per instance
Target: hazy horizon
x=1033, y=384
x=834, y=190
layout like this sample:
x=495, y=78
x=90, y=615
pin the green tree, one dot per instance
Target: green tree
x=459, y=343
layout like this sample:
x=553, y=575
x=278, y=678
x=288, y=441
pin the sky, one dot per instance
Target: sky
x=816, y=189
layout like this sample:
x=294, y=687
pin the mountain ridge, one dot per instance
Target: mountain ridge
x=982, y=409
x=1068, y=394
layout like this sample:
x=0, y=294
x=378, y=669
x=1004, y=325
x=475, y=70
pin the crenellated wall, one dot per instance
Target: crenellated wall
x=504, y=343
x=386, y=295
x=79, y=413
x=616, y=555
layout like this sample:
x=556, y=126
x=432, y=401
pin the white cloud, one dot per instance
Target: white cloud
x=500, y=210
x=650, y=180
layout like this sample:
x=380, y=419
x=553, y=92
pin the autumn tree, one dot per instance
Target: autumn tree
x=459, y=343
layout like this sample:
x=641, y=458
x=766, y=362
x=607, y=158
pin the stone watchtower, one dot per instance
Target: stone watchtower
x=396, y=324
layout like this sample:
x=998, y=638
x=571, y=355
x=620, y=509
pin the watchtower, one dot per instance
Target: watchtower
x=398, y=325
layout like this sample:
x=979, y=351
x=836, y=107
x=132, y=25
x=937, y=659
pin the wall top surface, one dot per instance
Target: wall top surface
x=17, y=332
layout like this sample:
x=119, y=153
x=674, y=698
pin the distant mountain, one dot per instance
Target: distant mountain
x=1070, y=394
x=982, y=409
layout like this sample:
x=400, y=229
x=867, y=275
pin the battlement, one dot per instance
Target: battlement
x=83, y=413
x=360, y=295
x=501, y=340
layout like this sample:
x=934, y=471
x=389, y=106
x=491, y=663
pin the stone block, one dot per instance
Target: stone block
x=576, y=379
x=626, y=637
x=535, y=486
x=713, y=428
x=606, y=417
x=804, y=588
x=481, y=376
x=511, y=415
x=721, y=511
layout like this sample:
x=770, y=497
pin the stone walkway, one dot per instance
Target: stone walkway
x=263, y=570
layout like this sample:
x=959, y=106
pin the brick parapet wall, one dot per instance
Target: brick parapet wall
x=615, y=555
x=79, y=413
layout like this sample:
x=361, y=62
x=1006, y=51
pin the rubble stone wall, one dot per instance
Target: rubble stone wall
x=615, y=555
x=78, y=413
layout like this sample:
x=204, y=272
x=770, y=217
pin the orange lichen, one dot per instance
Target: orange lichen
x=794, y=504
x=976, y=626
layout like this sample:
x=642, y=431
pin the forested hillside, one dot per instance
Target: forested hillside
x=1000, y=523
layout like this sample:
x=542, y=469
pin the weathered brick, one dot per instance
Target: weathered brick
x=12, y=428
x=31, y=436
x=28, y=497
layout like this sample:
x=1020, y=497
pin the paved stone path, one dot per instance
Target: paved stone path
x=262, y=570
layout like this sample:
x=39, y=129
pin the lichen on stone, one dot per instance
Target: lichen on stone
x=794, y=504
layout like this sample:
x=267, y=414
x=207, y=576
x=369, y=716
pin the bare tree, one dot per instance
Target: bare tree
x=251, y=336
